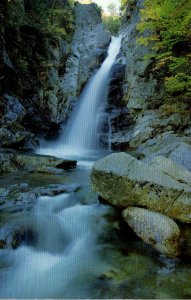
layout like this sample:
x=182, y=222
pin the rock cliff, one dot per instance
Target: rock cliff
x=42, y=75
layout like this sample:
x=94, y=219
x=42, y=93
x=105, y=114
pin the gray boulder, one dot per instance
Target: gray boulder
x=182, y=155
x=155, y=229
x=124, y=181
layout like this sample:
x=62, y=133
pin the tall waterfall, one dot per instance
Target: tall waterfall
x=88, y=127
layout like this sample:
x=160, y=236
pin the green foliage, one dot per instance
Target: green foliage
x=113, y=20
x=167, y=24
x=112, y=23
x=112, y=9
x=167, y=110
x=52, y=17
x=29, y=31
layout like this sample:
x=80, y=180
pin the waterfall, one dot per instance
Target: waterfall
x=88, y=128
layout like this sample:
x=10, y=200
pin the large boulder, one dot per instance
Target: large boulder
x=155, y=229
x=125, y=181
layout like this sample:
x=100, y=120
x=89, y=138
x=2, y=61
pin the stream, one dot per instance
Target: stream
x=81, y=248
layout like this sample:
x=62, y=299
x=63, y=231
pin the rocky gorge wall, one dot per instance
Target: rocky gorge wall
x=52, y=73
x=139, y=117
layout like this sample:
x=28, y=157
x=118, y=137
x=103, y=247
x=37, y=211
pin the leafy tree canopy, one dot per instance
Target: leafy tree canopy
x=168, y=27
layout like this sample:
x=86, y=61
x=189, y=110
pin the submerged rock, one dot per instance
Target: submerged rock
x=124, y=181
x=155, y=229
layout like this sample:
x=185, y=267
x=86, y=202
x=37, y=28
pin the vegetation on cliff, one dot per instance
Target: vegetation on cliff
x=112, y=19
x=28, y=30
x=167, y=24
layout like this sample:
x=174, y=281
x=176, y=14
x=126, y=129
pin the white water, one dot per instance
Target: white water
x=65, y=261
x=88, y=128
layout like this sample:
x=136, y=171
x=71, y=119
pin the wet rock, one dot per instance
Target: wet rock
x=23, y=236
x=124, y=181
x=16, y=201
x=66, y=164
x=116, y=91
x=16, y=235
x=13, y=160
x=48, y=170
x=3, y=244
x=54, y=190
x=155, y=229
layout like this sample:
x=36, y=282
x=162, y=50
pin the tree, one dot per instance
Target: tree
x=112, y=9
x=112, y=21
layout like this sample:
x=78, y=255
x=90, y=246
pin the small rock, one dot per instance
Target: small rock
x=154, y=229
x=66, y=164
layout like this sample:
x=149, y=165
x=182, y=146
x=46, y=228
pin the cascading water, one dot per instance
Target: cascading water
x=88, y=127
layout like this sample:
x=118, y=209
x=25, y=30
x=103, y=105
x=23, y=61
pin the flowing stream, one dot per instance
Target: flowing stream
x=82, y=248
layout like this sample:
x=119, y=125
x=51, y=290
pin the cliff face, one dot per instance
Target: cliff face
x=88, y=50
x=42, y=75
x=146, y=120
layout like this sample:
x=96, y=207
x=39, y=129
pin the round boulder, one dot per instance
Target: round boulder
x=155, y=229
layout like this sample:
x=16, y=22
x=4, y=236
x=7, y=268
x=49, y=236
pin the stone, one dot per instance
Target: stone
x=13, y=109
x=54, y=190
x=155, y=229
x=182, y=155
x=162, y=144
x=116, y=91
x=34, y=161
x=169, y=167
x=124, y=181
x=6, y=163
x=13, y=160
x=140, y=135
x=48, y=170
x=18, y=201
